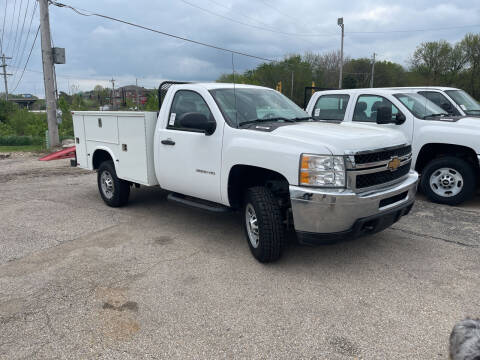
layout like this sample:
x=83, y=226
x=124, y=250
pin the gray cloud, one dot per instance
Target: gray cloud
x=98, y=49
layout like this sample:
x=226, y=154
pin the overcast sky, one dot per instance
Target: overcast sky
x=98, y=49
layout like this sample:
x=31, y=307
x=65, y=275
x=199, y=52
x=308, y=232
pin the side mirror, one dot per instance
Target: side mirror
x=447, y=107
x=400, y=118
x=198, y=121
x=384, y=115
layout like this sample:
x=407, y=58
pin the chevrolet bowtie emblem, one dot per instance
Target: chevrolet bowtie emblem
x=393, y=164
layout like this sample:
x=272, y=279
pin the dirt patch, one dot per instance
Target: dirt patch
x=343, y=346
x=117, y=317
x=36, y=173
x=163, y=240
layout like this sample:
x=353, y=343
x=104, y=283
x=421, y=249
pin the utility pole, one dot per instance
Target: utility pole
x=48, y=76
x=340, y=79
x=136, y=90
x=373, y=70
x=113, y=93
x=291, y=89
x=4, y=66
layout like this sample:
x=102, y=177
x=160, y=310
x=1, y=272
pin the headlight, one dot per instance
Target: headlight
x=322, y=170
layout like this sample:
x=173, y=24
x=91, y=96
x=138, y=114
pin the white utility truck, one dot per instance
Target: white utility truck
x=456, y=102
x=446, y=149
x=222, y=146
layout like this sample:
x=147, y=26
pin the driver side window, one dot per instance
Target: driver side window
x=367, y=107
x=331, y=107
x=186, y=101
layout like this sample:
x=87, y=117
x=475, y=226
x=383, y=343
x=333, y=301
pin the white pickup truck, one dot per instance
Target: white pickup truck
x=221, y=147
x=456, y=102
x=446, y=149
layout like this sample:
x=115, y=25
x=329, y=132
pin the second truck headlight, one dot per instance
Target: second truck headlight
x=322, y=170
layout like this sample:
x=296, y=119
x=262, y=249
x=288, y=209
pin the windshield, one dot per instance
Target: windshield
x=420, y=106
x=465, y=101
x=250, y=104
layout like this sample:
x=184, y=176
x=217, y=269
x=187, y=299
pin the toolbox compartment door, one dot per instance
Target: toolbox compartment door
x=80, y=141
x=132, y=154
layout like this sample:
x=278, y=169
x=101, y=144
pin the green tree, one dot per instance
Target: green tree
x=432, y=60
x=65, y=129
x=471, y=46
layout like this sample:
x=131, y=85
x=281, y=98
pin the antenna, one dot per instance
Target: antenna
x=234, y=93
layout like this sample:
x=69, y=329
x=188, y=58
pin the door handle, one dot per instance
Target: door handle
x=168, y=142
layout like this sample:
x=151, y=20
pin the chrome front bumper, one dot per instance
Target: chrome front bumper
x=333, y=211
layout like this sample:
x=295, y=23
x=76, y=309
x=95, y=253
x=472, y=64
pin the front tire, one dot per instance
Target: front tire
x=448, y=180
x=114, y=191
x=262, y=222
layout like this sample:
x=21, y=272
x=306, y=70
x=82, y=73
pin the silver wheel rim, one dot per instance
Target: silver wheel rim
x=446, y=182
x=251, y=222
x=106, y=180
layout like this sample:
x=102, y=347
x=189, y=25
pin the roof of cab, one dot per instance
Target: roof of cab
x=214, y=85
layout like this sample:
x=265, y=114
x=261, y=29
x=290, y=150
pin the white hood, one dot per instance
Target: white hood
x=342, y=138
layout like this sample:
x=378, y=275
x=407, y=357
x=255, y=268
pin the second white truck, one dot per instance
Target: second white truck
x=224, y=147
x=446, y=148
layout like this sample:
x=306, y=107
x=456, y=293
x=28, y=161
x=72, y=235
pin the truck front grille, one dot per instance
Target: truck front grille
x=381, y=177
x=382, y=155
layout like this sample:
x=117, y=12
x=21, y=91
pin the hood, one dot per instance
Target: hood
x=472, y=123
x=342, y=138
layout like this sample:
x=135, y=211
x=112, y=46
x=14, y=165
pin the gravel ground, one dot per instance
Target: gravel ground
x=153, y=280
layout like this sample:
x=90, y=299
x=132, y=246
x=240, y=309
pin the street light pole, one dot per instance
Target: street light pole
x=340, y=23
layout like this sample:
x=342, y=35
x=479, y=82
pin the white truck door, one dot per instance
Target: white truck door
x=189, y=161
x=365, y=111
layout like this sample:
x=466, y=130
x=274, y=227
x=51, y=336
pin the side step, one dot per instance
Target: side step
x=198, y=203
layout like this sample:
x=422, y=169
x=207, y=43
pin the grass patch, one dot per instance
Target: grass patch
x=22, y=148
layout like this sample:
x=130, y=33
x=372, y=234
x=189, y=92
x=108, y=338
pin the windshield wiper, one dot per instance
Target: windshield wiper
x=302, y=118
x=434, y=115
x=266, y=120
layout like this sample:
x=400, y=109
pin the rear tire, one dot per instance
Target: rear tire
x=262, y=222
x=448, y=180
x=114, y=191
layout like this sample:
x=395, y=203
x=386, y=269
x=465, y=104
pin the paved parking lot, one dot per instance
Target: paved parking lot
x=79, y=280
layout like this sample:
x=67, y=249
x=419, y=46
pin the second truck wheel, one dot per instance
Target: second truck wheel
x=448, y=180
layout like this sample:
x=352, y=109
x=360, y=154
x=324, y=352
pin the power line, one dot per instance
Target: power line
x=161, y=32
x=28, y=59
x=28, y=35
x=18, y=23
x=3, y=26
x=249, y=25
x=21, y=34
x=413, y=30
x=282, y=13
x=11, y=24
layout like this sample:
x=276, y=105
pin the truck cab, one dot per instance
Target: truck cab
x=229, y=147
x=456, y=102
x=445, y=148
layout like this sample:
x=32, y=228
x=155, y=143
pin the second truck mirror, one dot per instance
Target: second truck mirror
x=384, y=115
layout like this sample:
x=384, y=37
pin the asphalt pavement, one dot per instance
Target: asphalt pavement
x=155, y=280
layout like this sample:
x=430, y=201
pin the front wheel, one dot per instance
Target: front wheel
x=262, y=220
x=448, y=180
x=114, y=191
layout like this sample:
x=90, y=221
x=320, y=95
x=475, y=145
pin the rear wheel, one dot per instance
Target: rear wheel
x=448, y=180
x=263, y=224
x=114, y=191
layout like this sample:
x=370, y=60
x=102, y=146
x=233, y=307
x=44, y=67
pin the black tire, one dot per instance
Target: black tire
x=120, y=189
x=459, y=165
x=270, y=228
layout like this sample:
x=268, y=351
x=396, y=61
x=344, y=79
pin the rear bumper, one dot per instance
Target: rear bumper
x=334, y=214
